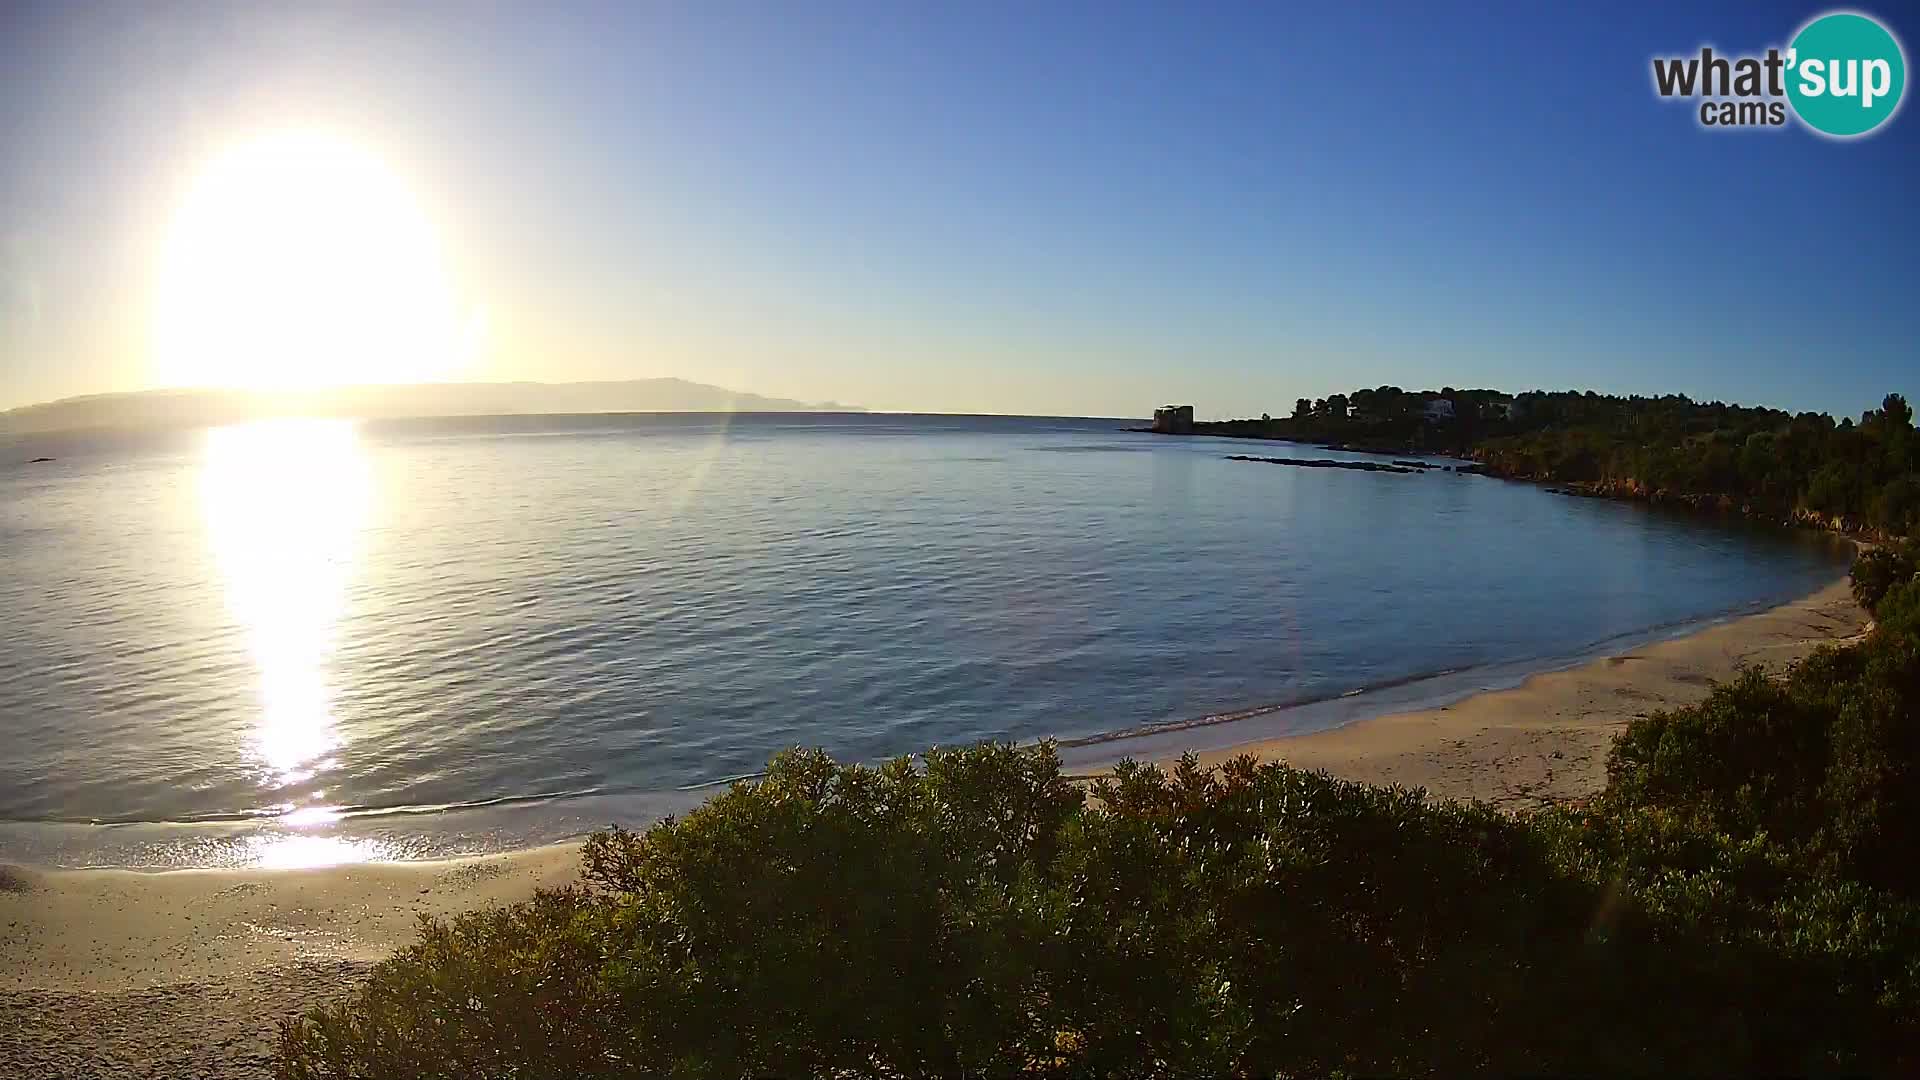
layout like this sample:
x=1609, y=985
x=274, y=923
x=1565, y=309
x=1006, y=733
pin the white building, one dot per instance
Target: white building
x=1438, y=409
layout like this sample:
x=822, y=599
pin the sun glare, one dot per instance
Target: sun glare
x=286, y=502
x=297, y=261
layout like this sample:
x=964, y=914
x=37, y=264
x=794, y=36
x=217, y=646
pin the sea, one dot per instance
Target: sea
x=306, y=642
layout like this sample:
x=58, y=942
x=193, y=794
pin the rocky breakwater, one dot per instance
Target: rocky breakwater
x=1398, y=466
x=1326, y=463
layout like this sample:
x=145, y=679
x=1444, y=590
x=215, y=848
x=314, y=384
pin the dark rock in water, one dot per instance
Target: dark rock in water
x=38, y=460
x=1324, y=463
x=1413, y=464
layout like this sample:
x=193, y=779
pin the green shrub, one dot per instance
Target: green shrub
x=1878, y=569
x=1749, y=758
x=1745, y=932
x=513, y=991
x=1822, y=762
x=1872, y=789
x=979, y=917
x=821, y=920
x=1898, y=612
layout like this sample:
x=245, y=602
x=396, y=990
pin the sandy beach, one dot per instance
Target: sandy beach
x=1546, y=740
x=114, y=973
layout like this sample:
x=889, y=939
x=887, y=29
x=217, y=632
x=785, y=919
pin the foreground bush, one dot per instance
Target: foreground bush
x=1878, y=570
x=1825, y=762
x=1898, y=612
x=980, y=917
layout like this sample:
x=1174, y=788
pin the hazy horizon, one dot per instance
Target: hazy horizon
x=336, y=399
x=1080, y=211
x=181, y=409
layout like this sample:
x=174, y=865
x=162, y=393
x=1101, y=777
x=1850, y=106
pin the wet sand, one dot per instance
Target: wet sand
x=124, y=974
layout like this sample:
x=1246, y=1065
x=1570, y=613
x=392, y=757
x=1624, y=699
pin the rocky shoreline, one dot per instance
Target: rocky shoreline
x=1625, y=490
x=1634, y=491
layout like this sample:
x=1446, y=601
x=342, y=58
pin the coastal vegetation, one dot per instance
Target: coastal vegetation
x=1739, y=898
x=1858, y=474
x=1879, y=569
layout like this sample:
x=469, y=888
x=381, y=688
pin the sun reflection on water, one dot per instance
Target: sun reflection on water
x=297, y=851
x=285, y=503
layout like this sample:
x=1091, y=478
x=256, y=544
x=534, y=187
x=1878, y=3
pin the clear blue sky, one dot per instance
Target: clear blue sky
x=1009, y=207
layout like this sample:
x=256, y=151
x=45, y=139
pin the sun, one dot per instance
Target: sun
x=299, y=260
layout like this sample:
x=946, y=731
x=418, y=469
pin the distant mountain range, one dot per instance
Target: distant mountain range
x=199, y=408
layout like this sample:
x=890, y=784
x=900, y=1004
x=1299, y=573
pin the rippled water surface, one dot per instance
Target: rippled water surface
x=301, y=642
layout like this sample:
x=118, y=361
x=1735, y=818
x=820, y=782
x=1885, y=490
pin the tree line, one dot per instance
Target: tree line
x=1861, y=473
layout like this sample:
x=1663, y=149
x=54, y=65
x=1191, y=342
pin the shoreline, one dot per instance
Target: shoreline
x=1570, y=706
x=1545, y=740
x=1218, y=735
x=178, y=968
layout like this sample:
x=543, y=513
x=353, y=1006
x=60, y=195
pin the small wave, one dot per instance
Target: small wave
x=474, y=804
x=1503, y=675
x=722, y=782
x=353, y=812
x=1234, y=715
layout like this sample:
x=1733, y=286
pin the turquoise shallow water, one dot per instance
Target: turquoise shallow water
x=311, y=641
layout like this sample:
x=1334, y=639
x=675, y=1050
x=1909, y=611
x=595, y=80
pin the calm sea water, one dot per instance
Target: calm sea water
x=304, y=642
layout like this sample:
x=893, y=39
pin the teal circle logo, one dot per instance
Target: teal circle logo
x=1845, y=74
